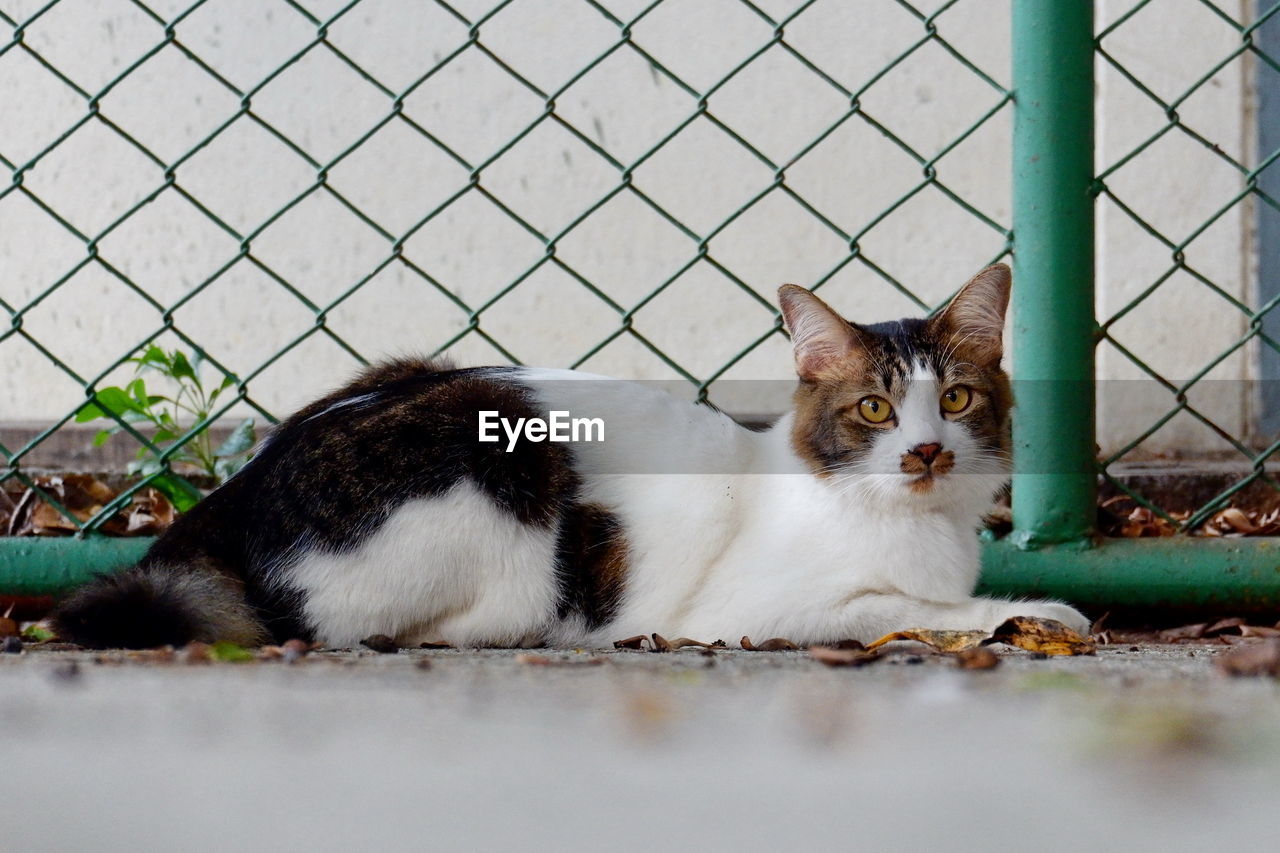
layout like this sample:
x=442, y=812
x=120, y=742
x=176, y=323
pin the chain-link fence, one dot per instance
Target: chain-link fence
x=283, y=189
x=554, y=126
x=1197, y=252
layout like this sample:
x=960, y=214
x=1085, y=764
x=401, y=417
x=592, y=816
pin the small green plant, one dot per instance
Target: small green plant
x=136, y=405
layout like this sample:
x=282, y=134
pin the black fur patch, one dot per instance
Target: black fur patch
x=591, y=564
x=331, y=475
x=126, y=610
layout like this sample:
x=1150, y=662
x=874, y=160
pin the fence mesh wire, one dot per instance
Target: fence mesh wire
x=540, y=57
x=1227, y=194
x=236, y=98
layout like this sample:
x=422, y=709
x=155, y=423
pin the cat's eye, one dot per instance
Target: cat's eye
x=875, y=410
x=956, y=399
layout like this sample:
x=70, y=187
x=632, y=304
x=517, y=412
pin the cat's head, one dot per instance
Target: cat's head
x=915, y=410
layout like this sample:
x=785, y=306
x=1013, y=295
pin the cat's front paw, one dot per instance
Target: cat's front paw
x=1064, y=613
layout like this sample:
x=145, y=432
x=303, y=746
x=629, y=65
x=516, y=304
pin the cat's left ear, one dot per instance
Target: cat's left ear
x=974, y=320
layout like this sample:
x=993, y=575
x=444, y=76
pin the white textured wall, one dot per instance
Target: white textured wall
x=474, y=250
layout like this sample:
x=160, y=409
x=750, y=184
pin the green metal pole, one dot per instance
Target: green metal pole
x=1053, y=333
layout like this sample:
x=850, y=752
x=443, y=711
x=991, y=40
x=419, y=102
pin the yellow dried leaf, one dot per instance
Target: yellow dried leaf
x=1047, y=636
x=943, y=641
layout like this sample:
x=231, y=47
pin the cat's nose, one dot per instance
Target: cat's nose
x=927, y=452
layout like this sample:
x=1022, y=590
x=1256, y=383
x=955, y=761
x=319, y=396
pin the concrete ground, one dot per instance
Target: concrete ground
x=1145, y=749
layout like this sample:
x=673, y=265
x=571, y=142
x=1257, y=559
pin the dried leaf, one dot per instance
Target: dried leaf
x=296, y=650
x=1224, y=626
x=1140, y=522
x=47, y=521
x=148, y=512
x=639, y=641
x=842, y=657
x=1258, y=631
x=163, y=654
x=1236, y=520
x=435, y=644
x=543, y=660
x=1099, y=624
x=381, y=643
x=9, y=627
x=7, y=506
x=775, y=644
x=977, y=658
x=684, y=642
x=943, y=641
x=1237, y=640
x=196, y=653
x=1184, y=632
x=19, y=518
x=1258, y=659
x=1047, y=636
x=660, y=643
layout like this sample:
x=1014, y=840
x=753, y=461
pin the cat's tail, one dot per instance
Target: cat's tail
x=157, y=605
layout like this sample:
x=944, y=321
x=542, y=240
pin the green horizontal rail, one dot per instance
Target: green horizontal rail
x=35, y=568
x=1226, y=575
x=1229, y=576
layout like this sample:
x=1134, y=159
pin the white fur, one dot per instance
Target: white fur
x=729, y=534
x=755, y=544
x=455, y=568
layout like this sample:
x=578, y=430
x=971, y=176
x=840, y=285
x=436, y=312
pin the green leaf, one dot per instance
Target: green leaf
x=116, y=400
x=229, y=652
x=137, y=389
x=240, y=440
x=162, y=435
x=182, y=369
x=89, y=412
x=153, y=357
x=180, y=491
x=37, y=634
x=144, y=465
x=102, y=437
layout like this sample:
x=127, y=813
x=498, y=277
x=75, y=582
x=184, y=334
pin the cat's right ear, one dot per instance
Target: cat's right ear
x=821, y=339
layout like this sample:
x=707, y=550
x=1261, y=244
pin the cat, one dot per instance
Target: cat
x=378, y=510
